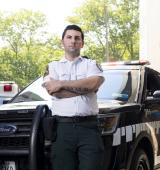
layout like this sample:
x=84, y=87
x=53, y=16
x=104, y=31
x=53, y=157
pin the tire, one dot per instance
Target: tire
x=140, y=161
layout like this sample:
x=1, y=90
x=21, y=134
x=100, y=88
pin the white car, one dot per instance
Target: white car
x=8, y=89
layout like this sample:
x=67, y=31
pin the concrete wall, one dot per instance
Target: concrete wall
x=150, y=31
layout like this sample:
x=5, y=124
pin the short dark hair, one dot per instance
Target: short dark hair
x=73, y=27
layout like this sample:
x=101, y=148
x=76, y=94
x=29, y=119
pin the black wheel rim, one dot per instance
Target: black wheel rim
x=142, y=165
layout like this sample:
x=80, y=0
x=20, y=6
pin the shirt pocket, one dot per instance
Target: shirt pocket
x=64, y=76
x=81, y=76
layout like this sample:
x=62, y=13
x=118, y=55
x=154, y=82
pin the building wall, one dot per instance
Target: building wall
x=150, y=31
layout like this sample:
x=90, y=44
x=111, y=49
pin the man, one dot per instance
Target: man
x=73, y=82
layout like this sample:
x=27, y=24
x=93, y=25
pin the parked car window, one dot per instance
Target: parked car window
x=34, y=92
x=119, y=85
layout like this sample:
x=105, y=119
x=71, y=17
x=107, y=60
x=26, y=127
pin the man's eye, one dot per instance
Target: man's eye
x=77, y=38
x=69, y=37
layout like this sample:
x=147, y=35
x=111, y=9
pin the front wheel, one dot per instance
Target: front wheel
x=140, y=160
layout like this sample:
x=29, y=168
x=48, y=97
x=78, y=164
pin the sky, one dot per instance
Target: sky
x=56, y=11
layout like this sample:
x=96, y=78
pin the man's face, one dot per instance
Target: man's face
x=72, y=42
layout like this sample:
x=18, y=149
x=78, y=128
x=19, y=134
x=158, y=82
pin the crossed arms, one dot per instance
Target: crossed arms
x=71, y=88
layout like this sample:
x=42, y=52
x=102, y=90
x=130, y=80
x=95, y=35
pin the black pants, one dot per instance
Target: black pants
x=78, y=146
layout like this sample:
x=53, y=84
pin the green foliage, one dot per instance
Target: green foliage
x=26, y=48
x=112, y=24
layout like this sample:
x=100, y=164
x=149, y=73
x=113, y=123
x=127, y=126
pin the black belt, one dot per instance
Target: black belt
x=76, y=119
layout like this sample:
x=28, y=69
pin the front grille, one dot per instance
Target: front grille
x=14, y=142
x=21, y=138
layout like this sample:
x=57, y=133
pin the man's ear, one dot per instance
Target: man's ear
x=82, y=44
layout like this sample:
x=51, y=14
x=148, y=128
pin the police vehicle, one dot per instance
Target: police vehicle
x=129, y=120
x=8, y=89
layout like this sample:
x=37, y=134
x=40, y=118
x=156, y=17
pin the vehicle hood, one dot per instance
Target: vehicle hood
x=32, y=105
x=104, y=106
x=24, y=105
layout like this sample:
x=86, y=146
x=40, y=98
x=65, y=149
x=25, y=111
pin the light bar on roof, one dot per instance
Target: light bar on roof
x=135, y=62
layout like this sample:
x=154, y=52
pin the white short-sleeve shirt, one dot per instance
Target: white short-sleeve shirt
x=82, y=105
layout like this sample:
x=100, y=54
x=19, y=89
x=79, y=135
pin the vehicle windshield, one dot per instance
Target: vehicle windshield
x=119, y=85
x=34, y=92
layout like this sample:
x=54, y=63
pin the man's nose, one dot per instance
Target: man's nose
x=73, y=39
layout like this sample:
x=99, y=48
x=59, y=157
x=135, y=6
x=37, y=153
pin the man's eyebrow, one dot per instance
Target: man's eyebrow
x=69, y=35
x=77, y=36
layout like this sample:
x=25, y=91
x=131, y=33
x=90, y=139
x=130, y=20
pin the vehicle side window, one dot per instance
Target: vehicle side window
x=153, y=82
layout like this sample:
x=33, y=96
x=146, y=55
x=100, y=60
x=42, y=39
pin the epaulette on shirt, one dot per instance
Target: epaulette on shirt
x=85, y=57
x=98, y=65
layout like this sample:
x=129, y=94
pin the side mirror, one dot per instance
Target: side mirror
x=156, y=94
x=154, y=99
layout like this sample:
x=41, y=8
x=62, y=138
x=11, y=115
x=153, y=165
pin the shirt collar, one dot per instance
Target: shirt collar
x=63, y=60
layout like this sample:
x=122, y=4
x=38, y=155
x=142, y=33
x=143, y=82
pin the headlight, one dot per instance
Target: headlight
x=108, y=123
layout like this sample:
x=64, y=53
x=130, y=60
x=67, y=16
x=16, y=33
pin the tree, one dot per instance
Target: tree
x=27, y=48
x=122, y=28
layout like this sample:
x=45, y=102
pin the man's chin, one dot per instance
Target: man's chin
x=74, y=52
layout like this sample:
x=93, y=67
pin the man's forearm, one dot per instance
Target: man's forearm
x=83, y=86
x=64, y=94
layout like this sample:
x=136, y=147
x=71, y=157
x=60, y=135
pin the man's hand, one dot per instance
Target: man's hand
x=52, y=86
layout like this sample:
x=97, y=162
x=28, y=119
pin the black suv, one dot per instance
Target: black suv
x=129, y=119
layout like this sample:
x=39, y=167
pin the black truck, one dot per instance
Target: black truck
x=129, y=120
